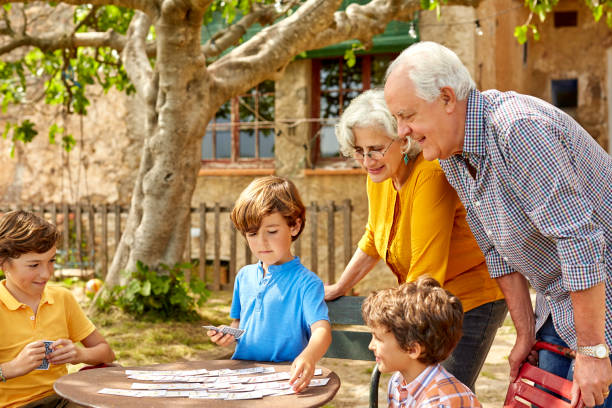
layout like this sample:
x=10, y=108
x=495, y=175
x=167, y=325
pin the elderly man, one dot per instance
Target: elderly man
x=538, y=195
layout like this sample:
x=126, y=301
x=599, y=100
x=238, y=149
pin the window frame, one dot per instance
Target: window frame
x=235, y=126
x=366, y=82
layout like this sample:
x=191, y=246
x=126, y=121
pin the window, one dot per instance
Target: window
x=565, y=19
x=243, y=129
x=335, y=84
x=564, y=94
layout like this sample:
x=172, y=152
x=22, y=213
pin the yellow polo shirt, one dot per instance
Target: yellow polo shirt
x=59, y=316
x=421, y=229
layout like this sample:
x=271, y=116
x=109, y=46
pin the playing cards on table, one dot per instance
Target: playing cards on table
x=227, y=384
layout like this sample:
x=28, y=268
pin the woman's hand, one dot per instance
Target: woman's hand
x=332, y=292
x=64, y=352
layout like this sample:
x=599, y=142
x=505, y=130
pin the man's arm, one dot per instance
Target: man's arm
x=516, y=291
x=592, y=376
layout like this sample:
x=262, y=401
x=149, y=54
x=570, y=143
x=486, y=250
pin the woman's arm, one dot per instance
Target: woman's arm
x=96, y=351
x=358, y=267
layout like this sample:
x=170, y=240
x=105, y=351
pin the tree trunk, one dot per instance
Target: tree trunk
x=178, y=110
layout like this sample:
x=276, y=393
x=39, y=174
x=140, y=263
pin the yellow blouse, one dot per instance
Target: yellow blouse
x=421, y=229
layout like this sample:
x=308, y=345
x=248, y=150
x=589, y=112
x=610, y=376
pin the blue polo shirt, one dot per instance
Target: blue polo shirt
x=276, y=310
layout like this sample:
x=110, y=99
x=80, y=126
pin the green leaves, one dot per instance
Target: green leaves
x=24, y=132
x=520, y=32
x=161, y=292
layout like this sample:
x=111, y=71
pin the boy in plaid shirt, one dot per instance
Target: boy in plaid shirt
x=415, y=327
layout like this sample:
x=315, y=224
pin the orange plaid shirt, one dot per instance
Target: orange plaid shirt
x=433, y=388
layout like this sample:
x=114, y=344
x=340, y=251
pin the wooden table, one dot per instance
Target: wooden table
x=82, y=387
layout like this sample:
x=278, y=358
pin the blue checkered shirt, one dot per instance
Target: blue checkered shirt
x=541, y=201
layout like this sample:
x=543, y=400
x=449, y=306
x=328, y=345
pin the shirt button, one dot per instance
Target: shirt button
x=477, y=203
x=548, y=297
x=489, y=232
x=31, y=317
x=506, y=258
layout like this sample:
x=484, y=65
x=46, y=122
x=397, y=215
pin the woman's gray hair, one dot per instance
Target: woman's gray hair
x=431, y=67
x=366, y=111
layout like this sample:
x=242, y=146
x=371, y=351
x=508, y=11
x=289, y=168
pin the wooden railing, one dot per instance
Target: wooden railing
x=91, y=233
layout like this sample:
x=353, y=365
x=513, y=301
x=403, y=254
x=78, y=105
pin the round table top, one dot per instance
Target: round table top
x=82, y=387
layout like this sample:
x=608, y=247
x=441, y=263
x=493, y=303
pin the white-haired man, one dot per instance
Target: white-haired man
x=538, y=194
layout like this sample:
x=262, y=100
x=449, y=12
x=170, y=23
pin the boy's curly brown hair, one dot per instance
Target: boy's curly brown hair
x=421, y=312
x=22, y=232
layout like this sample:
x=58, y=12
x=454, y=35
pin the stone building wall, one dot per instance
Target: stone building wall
x=103, y=164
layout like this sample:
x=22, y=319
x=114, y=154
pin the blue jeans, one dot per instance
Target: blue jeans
x=553, y=362
x=479, y=328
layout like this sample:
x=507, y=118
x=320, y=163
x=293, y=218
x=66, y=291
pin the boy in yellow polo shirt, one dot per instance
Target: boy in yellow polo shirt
x=32, y=312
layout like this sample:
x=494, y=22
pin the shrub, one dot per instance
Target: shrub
x=161, y=292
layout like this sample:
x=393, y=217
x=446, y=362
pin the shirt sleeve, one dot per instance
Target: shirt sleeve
x=431, y=222
x=544, y=178
x=79, y=326
x=314, y=306
x=235, y=309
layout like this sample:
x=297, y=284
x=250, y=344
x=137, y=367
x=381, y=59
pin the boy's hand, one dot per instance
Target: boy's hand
x=302, y=371
x=64, y=351
x=219, y=338
x=30, y=357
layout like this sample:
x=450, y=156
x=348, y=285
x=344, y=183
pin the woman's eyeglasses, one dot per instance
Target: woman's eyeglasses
x=372, y=154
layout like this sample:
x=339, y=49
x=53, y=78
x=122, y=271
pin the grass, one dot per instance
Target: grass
x=141, y=342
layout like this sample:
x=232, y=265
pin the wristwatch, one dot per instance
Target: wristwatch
x=597, y=351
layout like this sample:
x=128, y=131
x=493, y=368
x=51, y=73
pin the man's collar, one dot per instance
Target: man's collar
x=474, y=140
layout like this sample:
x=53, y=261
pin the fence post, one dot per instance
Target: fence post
x=217, y=240
x=314, y=258
x=54, y=214
x=247, y=253
x=117, y=210
x=66, y=211
x=203, y=242
x=331, y=232
x=348, y=232
x=91, y=241
x=232, y=265
x=79, y=234
x=104, y=243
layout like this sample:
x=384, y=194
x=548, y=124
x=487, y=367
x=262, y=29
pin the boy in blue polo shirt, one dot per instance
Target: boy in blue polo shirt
x=277, y=301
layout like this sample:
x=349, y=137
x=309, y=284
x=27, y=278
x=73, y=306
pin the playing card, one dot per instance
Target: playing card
x=45, y=363
x=237, y=333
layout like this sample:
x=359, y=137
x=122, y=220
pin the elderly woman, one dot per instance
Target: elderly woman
x=417, y=225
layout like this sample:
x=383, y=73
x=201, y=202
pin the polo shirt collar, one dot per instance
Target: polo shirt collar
x=13, y=304
x=474, y=140
x=287, y=266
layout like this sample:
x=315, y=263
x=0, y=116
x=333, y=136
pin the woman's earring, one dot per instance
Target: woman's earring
x=406, y=159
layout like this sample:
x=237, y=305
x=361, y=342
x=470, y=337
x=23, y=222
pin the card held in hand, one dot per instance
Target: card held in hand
x=226, y=330
x=45, y=363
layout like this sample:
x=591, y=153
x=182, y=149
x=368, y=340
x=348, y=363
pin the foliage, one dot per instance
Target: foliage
x=541, y=8
x=159, y=293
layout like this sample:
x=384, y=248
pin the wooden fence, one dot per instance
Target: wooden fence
x=91, y=233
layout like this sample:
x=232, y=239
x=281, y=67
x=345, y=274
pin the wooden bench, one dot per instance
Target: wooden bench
x=348, y=344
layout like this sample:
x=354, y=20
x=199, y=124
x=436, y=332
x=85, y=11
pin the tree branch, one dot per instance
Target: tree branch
x=134, y=55
x=110, y=39
x=150, y=7
x=227, y=37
